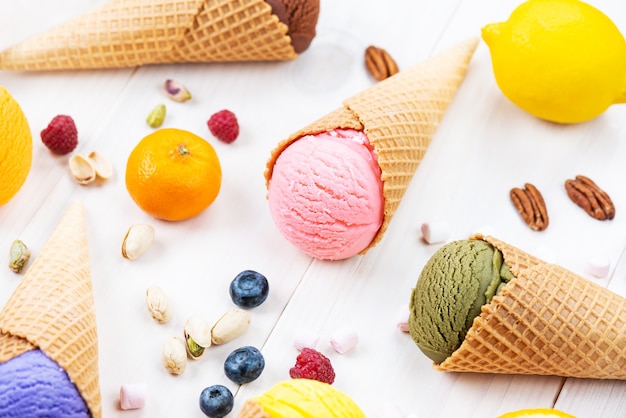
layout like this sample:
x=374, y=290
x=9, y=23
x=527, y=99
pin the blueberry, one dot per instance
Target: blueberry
x=244, y=365
x=216, y=401
x=249, y=289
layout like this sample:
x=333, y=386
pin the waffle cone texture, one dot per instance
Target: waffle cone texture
x=399, y=115
x=53, y=309
x=127, y=33
x=545, y=321
x=252, y=409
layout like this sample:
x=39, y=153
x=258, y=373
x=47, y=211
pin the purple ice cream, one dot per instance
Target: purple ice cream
x=33, y=385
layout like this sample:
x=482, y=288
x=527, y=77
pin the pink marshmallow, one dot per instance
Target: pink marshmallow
x=133, y=396
x=598, y=266
x=303, y=339
x=344, y=340
x=435, y=231
x=402, y=320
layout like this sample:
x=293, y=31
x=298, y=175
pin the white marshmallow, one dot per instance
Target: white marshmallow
x=304, y=339
x=133, y=396
x=598, y=266
x=435, y=231
x=389, y=410
x=344, y=340
x=402, y=318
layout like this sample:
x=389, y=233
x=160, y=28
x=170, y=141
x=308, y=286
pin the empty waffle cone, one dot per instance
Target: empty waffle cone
x=53, y=309
x=126, y=33
x=252, y=409
x=399, y=115
x=545, y=321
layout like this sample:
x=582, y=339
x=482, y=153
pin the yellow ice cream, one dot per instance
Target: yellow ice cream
x=307, y=398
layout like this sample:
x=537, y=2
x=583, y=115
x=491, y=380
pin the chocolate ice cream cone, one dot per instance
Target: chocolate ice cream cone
x=545, y=321
x=53, y=309
x=400, y=116
x=126, y=33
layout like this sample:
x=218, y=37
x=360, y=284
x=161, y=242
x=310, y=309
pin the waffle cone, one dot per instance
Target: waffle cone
x=545, y=321
x=399, y=115
x=252, y=409
x=53, y=309
x=127, y=33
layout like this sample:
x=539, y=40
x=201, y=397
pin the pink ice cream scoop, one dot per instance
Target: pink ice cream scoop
x=326, y=194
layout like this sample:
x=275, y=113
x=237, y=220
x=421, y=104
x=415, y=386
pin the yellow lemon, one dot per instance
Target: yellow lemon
x=560, y=60
x=537, y=413
x=16, y=147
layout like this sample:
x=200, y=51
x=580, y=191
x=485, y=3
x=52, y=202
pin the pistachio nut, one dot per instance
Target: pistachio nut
x=82, y=169
x=197, y=336
x=101, y=164
x=19, y=255
x=176, y=91
x=230, y=326
x=174, y=355
x=156, y=117
x=137, y=240
x=158, y=304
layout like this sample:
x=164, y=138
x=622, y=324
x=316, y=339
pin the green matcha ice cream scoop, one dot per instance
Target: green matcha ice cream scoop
x=454, y=284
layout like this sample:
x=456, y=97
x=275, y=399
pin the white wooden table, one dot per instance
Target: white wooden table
x=483, y=148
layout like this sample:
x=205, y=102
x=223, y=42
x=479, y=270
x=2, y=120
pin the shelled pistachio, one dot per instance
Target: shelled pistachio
x=176, y=91
x=19, y=256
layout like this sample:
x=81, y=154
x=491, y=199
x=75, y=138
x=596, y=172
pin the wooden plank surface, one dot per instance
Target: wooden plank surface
x=483, y=148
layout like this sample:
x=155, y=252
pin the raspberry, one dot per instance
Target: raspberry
x=311, y=364
x=223, y=125
x=61, y=136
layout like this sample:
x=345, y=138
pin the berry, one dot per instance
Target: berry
x=244, y=365
x=60, y=136
x=216, y=401
x=311, y=364
x=224, y=126
x=249, y=289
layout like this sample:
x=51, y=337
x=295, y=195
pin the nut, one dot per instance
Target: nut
x=197, y=336
x=19, y=255
x=156, y=117
x=176, y=91
x=586, y=194
x=530, y=205
x=158, y=304
x=82, y=169
x=230, y=326
x=174, y=355
x=101, y=164
x=379, y=63
x=137, y=241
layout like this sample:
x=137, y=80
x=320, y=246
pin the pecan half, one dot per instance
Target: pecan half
x=379, y=63
x=531, y=207
x=586, y=194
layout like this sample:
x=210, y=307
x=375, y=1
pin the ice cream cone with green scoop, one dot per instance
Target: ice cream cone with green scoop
x=560, y=60
x=484, y=306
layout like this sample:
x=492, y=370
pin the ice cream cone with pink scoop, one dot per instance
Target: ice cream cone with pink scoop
x=334, y=186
